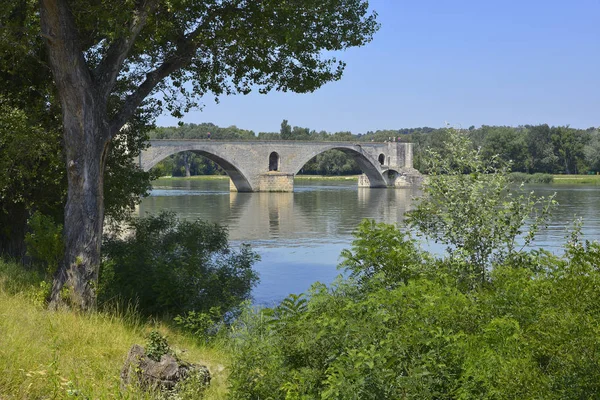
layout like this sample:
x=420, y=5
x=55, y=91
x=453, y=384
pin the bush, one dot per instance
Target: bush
x=44, y=241
x=530, y=332
x=405, y=325
x=168, y=266
x=521, y=177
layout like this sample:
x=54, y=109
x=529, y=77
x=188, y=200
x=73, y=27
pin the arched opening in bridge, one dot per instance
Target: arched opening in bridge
x=274, y=161
x=394, y=178
x=342, y=160
x=187, y=163
x=381, y=158
x=331, y=162
x=202, y=162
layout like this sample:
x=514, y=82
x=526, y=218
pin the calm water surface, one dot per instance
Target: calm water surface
x=300, y=235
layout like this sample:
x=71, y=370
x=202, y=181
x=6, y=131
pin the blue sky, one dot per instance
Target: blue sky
x=462, y=61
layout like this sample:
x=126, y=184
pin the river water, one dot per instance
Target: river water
x=300, y=235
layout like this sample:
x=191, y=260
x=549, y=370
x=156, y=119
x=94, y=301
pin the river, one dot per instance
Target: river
x=300, y=235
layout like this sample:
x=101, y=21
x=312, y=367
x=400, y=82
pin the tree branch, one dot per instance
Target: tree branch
x=108, y=70
x=182, y=56
x=133, y=101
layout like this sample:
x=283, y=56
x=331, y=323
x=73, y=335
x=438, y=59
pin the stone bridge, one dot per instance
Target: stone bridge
x=270, y=166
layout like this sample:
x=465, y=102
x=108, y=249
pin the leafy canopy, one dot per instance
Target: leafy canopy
x=185, y=49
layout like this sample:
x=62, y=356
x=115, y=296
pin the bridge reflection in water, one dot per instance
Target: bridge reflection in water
x=324, y=210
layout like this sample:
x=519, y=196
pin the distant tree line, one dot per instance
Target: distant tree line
x=530, y=148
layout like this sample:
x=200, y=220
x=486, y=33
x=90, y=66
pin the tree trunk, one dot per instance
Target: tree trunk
x=76, y=279
x=86, y=139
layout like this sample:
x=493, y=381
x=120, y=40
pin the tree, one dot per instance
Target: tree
x=32, y=175
x=569, y=146
x=285, y=132
x=469, y=207
x=592, y=151
x=541, y=150
x=108, y=57
x=506, y=142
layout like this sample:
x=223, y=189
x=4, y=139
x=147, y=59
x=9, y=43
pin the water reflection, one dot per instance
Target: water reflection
x=300, y=235
x=329, y=212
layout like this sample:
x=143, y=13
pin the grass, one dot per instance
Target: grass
x=62, y=354
x=577, y=179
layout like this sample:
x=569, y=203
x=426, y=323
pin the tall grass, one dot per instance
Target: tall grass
x=62, y=354
x=521, y=177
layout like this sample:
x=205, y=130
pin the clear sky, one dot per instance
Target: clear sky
x=468, y=62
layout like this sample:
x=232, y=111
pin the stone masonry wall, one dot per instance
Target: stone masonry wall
x=276, y=182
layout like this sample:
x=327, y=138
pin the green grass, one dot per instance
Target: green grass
x=577, y=179
x=56, y=354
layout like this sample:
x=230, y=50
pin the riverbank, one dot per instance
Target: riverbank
x=577, y=179
x=60, y=354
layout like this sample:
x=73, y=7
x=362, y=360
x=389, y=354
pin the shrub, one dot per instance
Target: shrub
x=157, y=346
x=470, y=207
x=44, y=241
x=521, y=177
x=524, y=326
x=168, y=266
x=530, y=332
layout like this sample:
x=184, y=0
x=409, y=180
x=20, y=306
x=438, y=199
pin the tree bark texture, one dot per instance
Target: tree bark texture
x=86, y=137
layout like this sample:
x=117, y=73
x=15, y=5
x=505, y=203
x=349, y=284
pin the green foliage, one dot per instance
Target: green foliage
x=384, y=251
x=157, y=346
x=44, y=241
x=469, y=207
x=528, y=333
x=331, y=162
x=202, y=325
x=32, y=171
x=171, y=266
x=285, y=133
x=520, y=177
x=515, y=324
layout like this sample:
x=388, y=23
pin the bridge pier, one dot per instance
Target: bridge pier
x=270, y=182
x=276, y=182
x=365, y=182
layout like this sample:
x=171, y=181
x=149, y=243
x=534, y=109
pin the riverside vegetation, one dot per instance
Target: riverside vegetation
x=491, y=318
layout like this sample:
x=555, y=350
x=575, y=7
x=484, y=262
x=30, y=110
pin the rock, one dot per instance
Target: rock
x=163, y=374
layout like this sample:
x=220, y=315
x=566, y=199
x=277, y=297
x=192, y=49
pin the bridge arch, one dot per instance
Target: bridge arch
x=369, y=165
x=238, y=178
